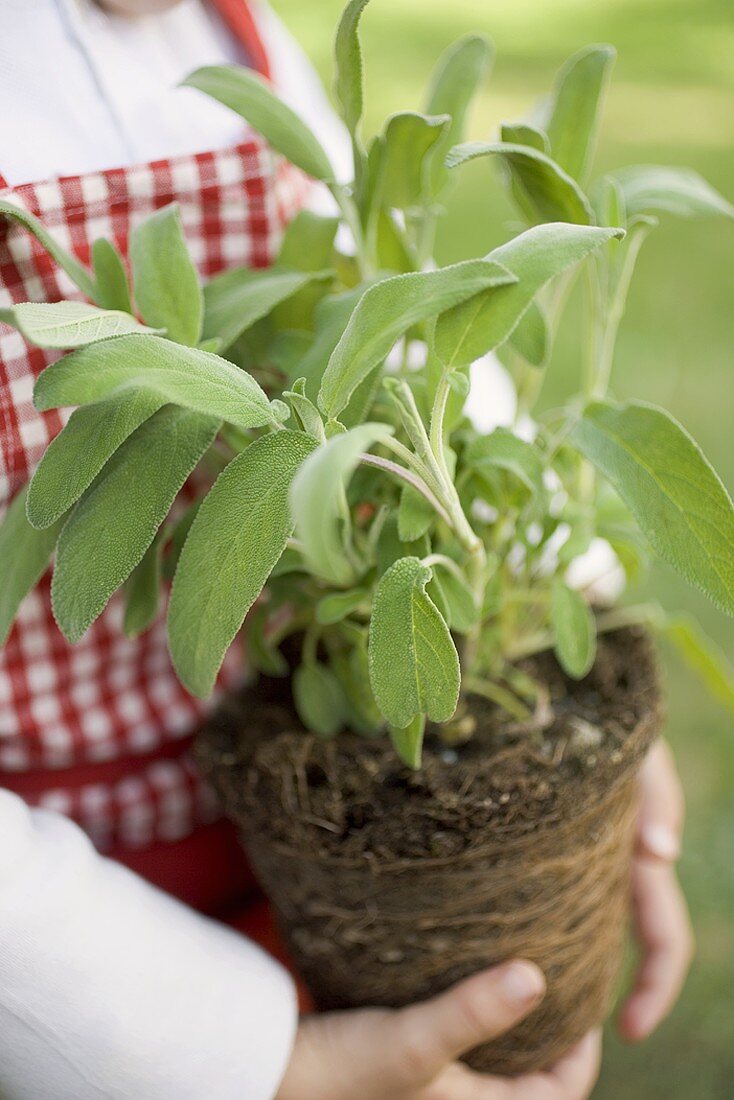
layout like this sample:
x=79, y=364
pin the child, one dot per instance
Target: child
x=109, y=987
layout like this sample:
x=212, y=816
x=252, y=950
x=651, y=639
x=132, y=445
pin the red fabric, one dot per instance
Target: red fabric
x=239, y=18
x=101, y=731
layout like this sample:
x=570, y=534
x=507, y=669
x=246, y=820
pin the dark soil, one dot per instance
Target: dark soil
x=390, y=884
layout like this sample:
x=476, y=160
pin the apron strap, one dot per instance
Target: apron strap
x=240, y=20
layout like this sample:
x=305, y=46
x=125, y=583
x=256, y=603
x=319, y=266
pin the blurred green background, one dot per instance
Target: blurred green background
x=672, y=102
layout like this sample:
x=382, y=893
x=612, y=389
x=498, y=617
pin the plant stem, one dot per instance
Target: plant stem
x=619, y=617
x=409, y=478
x=350, y=214
x=503, y=697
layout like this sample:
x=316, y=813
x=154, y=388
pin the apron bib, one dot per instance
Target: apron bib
x=101, y=731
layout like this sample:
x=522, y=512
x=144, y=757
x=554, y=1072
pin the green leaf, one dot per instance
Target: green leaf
x=74, y=458
x=308, y=245
x=306, y=412
x=339, y=605
x=408, y=742
x=249, y=95
x=461, y=605
x=24, y=557
x=143, y=591
x=166, y=283
x=319, y=699
x=76, y=271
x=553, y=194
x=522, y=133
x=68, y=324
x=387, y=310
x=415, y=515
x=470, y=330
x=651, y=189
x=531, y=336
x=317, y=500
x=460, y=71
x=349, y=78
x=235, y=300
x=704, y=656
x=576, y=107
x=195, y=379
x=414, y=666
x=575, y=630
x=238, y=536
x=116, y=520
x=113, y=290
x=670, y=488
x=504, y=450
x=410, y=140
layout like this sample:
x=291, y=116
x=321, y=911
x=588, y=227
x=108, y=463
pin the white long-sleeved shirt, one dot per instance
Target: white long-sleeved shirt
x=109, y=988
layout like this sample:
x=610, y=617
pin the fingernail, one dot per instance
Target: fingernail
x=662, y=842
x=522, y=983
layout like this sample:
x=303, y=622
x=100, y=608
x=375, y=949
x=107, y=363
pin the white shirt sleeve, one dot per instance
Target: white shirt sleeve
x=110, y=988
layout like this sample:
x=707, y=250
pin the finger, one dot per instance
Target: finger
x=570, y=1079
x=420, y=1041
x=665, y=936
x=662, y=806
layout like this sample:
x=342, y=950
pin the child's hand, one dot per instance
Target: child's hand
x=412, y=1053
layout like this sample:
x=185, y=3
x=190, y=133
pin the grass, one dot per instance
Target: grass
x=672, y=102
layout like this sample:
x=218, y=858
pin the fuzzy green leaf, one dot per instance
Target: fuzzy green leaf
x=652, y=189
x=460, y=71
x=317, y=500
x=337, y=606
x=189, y=377
x=461, y=606
x=239, y=533
x=235, y=300
x=74, y=458
x=24, y=557
x=387, y=310
x=414, y=666
x=704, y=656
x=467, y=331
x=349, y=77
x=113, y=290
x=115, y=522
x=166, y=283
x=308, y=245
x=143, y=591
x=415, y=515
x=531, y=336
x=409, y=142
x=575, y=630
x=68, y=324
x=506, y=451
x=672, y=491
x=249, y=95
x=522, y=133
x=553, y=194
x=408, y=742
x=319, y=699
x=576, y=107
x=76, y=271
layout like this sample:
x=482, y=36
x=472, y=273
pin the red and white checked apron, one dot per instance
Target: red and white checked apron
x=101, y=731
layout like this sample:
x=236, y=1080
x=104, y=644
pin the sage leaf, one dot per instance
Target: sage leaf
x=415, y=515
x=554, y=195
x=68, y=324
x=319, y=699
x=189, y=377
x=349, y=77
x=575, y=630
x=531, y=336
x=110, y=276
x=143, y=591
x=460, y=71
x=74, y=458
x=669, y=487
x=235, y=300
x=318, y=502
x=337, y=606
x=414, y=666
x=504, y=450
x=236, y=539
x=248, y=94
x=461, y=606
x=79, y=274
x=576, y=107
x=409, y=141
x=116, y=520
x=166, y=283
x=522, y=133
x=387, y=310
x=470, y=330
x=308, y=245
x=25, y=554
x=652, y=189
x=703, y=656
x=408, y=742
